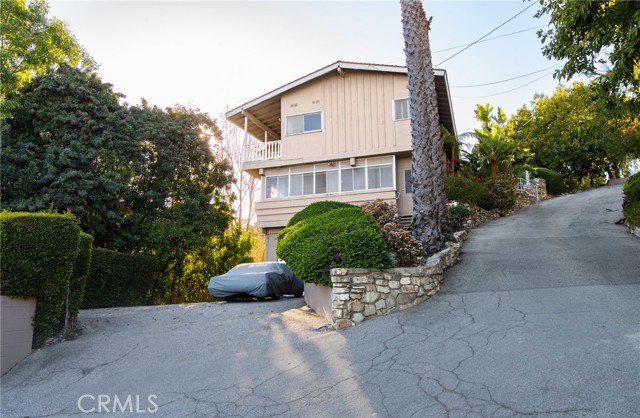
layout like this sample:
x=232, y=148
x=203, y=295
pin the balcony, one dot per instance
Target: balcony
x=263, y=151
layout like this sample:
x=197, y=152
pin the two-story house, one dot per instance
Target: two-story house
x=340, y=133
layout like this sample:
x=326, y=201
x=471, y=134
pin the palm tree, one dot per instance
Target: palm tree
x=430, y=223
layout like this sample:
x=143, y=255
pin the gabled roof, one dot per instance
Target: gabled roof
x=265, y=110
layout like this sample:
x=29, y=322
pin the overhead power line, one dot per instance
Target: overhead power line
x=505, y=80
x=489, y=39
x=488, y=33
x=506, y=91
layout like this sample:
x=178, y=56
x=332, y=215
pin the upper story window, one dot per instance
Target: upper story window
x=309, y=122
x=401, y=109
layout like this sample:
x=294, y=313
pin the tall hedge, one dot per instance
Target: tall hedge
x=346, y=237
x=631, y=205
x=118, y=279
x=78, y=279
x=37, y=258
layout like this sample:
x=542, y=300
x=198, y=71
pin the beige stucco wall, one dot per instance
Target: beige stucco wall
x=17, y=332
x=357, y=117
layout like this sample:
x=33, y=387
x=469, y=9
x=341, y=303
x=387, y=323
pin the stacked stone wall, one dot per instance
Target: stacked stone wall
x=359, y=294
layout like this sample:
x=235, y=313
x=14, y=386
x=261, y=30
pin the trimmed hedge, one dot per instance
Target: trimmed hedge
x=631, y=205
x=78, y=279
x=347, y=237
x=118, y=279
x=317, y=208
x=500, y=194
x=555, y=183
x=38, y=255
x=462, y=189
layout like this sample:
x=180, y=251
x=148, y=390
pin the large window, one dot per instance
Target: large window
x=327, y=182
x=401, y=109
x=301, y=184
x=310, y=122
x=353, y=179
x=277, y=186
x=341, y=178
x=380, y=176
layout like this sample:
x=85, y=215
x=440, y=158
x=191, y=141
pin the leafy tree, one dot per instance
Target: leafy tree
x=596, y=38
x=179, y=195
x=430, y=223
x=67, y=147
x=33, y=44
x=575, y=133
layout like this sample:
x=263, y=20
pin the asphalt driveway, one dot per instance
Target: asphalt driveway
x=540, y=318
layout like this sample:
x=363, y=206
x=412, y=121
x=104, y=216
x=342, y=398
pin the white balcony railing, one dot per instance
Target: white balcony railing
x=261, y=151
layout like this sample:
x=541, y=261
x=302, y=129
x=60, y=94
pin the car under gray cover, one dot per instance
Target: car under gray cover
x=260, y=280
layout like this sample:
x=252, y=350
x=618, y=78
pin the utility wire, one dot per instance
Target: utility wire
x=505, y=80
x=503, y=92
x=488, y=39
x=489, y=33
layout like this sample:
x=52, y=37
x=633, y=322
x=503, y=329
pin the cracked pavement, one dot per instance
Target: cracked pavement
x=539, y=319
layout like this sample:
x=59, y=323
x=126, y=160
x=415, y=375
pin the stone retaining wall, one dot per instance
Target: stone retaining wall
x=359, y=294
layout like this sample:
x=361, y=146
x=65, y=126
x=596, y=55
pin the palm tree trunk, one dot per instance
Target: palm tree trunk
x=430, y=214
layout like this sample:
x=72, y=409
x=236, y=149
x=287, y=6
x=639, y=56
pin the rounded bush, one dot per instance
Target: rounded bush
x=346, y=237
x=38, y=255
x=317, y=208
x=555, y=183
x=462, y=189
x=500, y=194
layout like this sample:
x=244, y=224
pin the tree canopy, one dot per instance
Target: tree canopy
x=576, y=134
x=596, y=38
x=139, y=179
x=33, y=44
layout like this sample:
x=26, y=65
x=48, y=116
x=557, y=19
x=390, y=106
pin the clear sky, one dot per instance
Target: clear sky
x=218, y=55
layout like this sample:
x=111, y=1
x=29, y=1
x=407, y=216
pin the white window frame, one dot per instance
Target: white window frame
x=303, y=131
x=393, y=108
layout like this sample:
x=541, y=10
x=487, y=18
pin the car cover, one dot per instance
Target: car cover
x=257, y=279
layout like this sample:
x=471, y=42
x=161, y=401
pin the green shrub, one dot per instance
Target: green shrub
x=38, y=255
x=317, y=208
x=78, y=279
x=631, y=205
x=458, y=216
x=462, y=189
x=118, y=279
x=345, y=237
x=500, y=194
x=555, y=183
